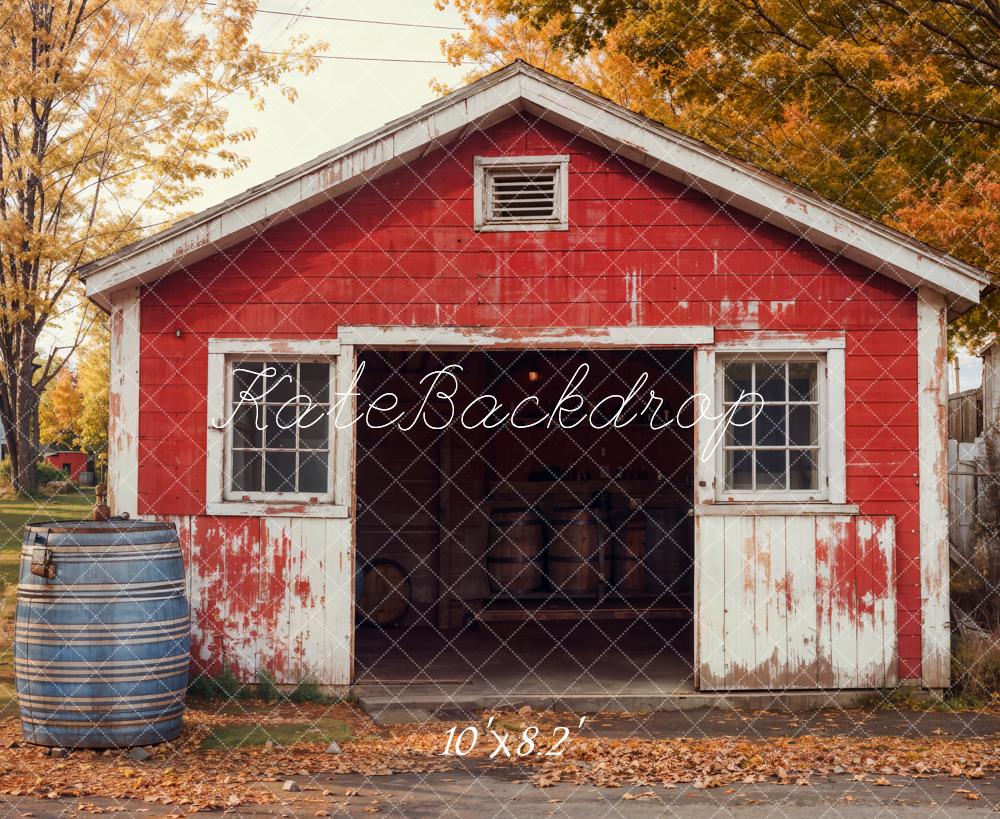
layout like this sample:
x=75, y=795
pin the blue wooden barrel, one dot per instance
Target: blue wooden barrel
x=102, y=638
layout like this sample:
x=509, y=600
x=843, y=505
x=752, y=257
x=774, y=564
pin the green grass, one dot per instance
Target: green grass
x=283, y=733
x=16, y=511
x=305, y=691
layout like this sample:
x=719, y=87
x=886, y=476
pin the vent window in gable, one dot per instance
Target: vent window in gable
x=521, y=193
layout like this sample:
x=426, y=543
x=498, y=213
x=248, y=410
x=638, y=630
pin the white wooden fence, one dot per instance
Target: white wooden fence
x=964, y=497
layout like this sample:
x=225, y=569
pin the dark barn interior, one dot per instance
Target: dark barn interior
x=535, y=553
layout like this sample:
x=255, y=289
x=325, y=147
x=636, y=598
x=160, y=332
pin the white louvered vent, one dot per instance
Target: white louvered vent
x=516, y=196
x=521, y=193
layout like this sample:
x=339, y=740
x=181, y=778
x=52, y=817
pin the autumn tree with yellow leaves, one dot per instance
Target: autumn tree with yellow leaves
x=93, y=378
x=111, y=111
x=74, y=408
x=890, y=107
x=59, y=411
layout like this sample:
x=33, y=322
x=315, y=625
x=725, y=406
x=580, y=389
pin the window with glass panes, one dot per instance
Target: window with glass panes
x=280, y=428
x=773, y=444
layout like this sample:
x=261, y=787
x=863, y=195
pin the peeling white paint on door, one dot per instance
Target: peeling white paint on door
x=795, y=602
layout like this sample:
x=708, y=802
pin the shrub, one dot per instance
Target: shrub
x=267, y=688
x=306, y=691
x=48, y=473
x=226, y=686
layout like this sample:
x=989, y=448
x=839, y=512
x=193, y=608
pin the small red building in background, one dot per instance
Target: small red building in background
x=69, y=461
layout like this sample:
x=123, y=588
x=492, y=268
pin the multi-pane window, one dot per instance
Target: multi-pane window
x=773, y=443
x=281, y=438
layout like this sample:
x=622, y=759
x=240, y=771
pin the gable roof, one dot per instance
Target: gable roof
x=520, y=87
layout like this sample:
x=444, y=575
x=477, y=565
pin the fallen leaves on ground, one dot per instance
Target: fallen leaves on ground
x=184, y=775
x=709, y=763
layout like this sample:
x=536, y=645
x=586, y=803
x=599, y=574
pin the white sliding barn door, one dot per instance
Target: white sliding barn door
x=316, y=621
x=795, y=602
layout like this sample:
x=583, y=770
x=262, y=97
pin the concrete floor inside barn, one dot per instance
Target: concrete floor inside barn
x=576, y=665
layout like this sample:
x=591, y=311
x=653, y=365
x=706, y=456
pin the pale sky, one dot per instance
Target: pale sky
x=342, y=99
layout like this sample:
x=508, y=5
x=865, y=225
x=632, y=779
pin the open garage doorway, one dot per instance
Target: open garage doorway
x=526, y=546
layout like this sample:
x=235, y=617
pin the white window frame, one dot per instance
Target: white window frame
x=817, y=494
x=483, y=165
x=831, y=388
x=223, y=355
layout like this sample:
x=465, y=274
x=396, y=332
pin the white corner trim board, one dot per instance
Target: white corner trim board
x=519, y=87
x=345, y=440
x=704, y=470
x=932, y=429
x=123, y=421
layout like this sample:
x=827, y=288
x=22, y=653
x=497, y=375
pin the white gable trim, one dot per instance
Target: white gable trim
x=494, y=98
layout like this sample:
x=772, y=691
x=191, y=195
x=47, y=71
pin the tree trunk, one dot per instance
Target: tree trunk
x=24, y=453
x=9, y=440
x=24, y=475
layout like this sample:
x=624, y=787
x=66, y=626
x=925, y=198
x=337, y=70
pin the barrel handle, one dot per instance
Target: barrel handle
x=42, y=560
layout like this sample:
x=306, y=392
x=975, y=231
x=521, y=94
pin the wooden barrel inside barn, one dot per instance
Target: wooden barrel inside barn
x=102, y=634
x=669, y=544
x=628, y=559
x=385, y=593
x=516, y=541
x=572, y=555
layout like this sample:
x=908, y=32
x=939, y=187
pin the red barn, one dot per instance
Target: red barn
x=69, y=461
x=598, y=411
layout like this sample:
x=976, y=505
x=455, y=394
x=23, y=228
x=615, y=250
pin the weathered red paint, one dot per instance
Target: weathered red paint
x=843, y=574
x=783, y=587
x=401, y=250
x=302, y=589
x=276, y=554
x=872, y=577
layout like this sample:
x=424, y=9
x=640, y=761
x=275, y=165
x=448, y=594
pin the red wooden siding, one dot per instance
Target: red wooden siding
x=641, y=249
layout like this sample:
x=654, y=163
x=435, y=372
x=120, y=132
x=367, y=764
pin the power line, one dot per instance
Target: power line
x=375, y=59
x=353, y=20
